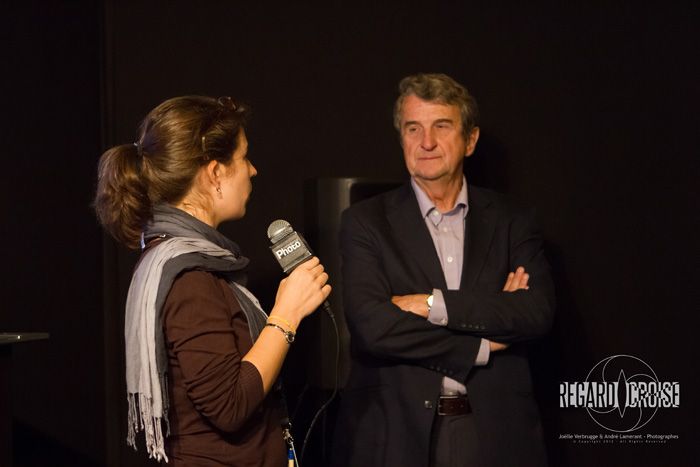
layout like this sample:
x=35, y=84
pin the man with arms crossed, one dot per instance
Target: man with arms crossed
x=439, y=373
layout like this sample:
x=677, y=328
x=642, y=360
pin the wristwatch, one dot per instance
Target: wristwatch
x=429, y=301
x=289, y=335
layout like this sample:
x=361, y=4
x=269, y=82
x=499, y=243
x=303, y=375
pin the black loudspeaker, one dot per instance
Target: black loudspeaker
x=325, y=199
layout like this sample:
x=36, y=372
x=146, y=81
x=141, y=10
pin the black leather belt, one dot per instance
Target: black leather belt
x=454, y=405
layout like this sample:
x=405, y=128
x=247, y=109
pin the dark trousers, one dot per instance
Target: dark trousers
x=454, y=442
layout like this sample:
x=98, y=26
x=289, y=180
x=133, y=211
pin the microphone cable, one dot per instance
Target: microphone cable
x=327, y=309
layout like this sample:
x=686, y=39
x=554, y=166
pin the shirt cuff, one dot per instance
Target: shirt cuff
x=438, y=312
x=482, y=358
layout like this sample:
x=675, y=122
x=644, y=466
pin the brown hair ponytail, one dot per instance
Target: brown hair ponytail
x=161, y=167
x=122, y=203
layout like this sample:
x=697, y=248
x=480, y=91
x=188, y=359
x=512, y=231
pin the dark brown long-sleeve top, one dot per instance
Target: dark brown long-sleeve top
x=219, y=415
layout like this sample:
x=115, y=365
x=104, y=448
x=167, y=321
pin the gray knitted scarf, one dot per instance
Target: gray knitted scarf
x=188, y=244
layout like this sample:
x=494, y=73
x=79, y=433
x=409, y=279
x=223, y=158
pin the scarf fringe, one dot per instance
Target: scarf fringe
x=142, y=418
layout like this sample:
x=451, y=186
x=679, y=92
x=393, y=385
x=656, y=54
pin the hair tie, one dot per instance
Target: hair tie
x=139, y=149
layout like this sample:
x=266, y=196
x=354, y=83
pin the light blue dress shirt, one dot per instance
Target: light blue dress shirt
x=447, y=231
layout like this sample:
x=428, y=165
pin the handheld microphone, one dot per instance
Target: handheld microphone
x=288, y=246
x=290, y=249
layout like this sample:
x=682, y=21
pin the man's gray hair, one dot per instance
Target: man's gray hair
x=440, y=89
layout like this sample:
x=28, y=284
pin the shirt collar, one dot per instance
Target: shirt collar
x=426, y=205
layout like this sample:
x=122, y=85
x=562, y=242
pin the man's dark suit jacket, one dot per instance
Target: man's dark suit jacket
x=399, y=358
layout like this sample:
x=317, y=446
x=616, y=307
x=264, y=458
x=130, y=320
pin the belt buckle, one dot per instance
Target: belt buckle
x=440, y=399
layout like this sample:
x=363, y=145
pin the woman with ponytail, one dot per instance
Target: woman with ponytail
x=202, y=358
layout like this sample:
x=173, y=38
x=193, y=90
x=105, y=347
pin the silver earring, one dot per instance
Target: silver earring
x=218, y=190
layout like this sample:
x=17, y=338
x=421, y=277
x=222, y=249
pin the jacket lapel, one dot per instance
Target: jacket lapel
x=478, y=234
x=409, y=227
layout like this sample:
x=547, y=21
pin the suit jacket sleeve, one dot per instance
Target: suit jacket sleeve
x=375, y=267
x=480, y=307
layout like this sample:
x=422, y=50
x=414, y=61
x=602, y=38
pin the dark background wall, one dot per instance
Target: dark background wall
x=51, y=252
x=588, y=113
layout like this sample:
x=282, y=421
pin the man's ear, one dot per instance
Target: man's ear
x=471, y=141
